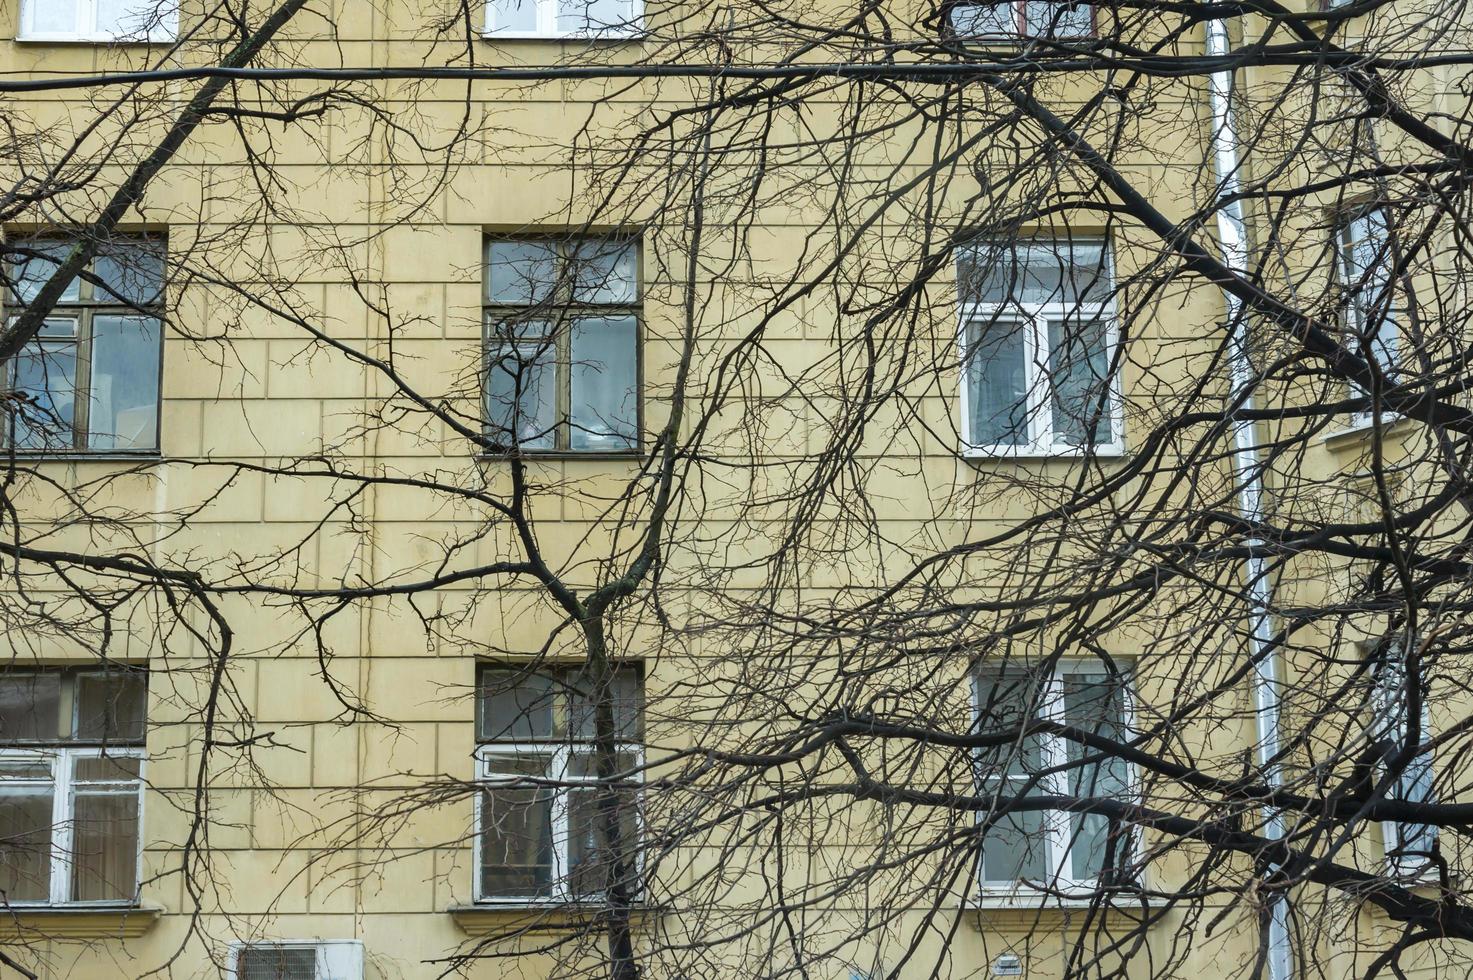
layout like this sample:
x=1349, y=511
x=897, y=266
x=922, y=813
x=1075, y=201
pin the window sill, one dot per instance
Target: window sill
x=563, y=454
x=1354, y=433
x=94, y=40
x=533, y=916
x=149, y=455
x=631, y=38
x=1014, y=910
x=983, y=454
x=78, y=921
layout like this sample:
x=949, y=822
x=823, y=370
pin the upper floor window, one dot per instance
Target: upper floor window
x=538, y=816
x=562, y=344
x=1366, y=261
x=1410, y=847
x=1003, y=19
x=99, y=20
x=564, y=18
x=89, y=381
x=1037, y=346
x=1048, y=848
x=71, y=768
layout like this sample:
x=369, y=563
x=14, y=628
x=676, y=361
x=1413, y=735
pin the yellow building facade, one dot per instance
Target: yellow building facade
x=768, y=377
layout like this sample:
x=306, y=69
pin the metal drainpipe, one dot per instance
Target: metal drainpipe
x=1232, y=235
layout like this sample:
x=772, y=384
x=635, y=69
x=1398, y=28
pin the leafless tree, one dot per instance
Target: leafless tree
x=982, y=518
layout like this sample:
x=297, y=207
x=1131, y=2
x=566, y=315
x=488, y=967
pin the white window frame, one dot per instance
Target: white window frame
x=62, y=761
x=337, y=959
x=1021, y=32
x=547, y=28
x=563, y=312
x=82, y=311
x=1033, y=319
x=166, y=30
x=1058, y=850
x=1389, y=706
x=560, y=783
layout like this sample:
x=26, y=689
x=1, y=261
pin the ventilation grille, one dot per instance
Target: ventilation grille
x=270, y=961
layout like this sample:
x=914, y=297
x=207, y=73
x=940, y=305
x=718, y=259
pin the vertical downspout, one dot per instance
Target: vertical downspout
x=1232, y=234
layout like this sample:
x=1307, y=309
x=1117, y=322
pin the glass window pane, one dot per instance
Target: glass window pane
x=521, y=395
x=25, y=842
x=605, y=396
x=53, y=16
x=130, y=272
x=111, y=705
x=46, y=373
x=590, y=859
x=105, y=846
x=516, y=705
x=1079, y=382
x=1056, y=271
x=136, y=18
x=513, y=16
x=985, y=19
x=516, y=830
x=1049, y=18
x=30, y=706
x=997, y=383
x=603, y=272
x=270, y=961
x=25, y=769
x=124, y=409
x=59, y=327
x=595, y=17
x=38, y=261
x=582, y=764
x=1006, y=699
x=627, y=701
x=1095, y=703
x=1015, y=847
x=1368, y=264
x=107, y=769
x=520, y=273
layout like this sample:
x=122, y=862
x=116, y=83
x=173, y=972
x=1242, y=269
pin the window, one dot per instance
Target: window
x=1049, y=848
x=1365, y=265
x=1037, y=344
x=564, y=18
x=99, y=20
x=562, y=344
x=337, y=959
x=538, y=841
x=71, y=768
x=1052, y=19
x=1410, y=847
x=89, y=381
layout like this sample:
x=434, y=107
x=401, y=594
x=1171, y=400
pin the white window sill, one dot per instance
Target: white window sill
x=614, y=37
x=95, y=39
x=1113, y=451
x=79, y=920
x=1025, y=910
x=1360, y=428
x=533, y=914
